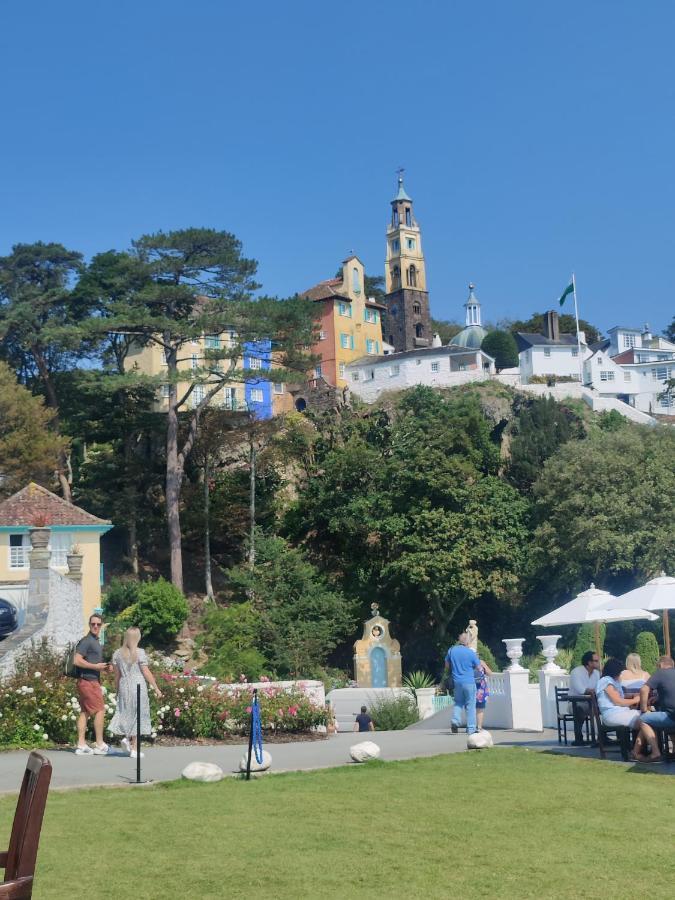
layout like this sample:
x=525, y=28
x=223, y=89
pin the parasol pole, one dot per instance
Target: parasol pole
x=666, y=632
x=597, y=640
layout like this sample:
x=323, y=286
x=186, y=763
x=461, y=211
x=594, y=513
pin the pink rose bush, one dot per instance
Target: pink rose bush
x=39, y=706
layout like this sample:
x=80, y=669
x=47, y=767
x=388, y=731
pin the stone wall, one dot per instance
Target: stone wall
x=53, y=610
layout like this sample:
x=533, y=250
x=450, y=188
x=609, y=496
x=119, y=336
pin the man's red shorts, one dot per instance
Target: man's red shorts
x=90, y=695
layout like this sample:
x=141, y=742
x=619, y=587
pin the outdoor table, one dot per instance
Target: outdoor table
x=583, y=698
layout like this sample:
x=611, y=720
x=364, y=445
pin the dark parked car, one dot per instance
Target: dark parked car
x=9, y=618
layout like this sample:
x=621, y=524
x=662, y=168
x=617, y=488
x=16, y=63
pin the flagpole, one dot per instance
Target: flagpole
x=576, y=316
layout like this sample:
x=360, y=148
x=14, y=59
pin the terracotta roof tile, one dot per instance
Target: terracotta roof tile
x=34, y=502
x=324, y=290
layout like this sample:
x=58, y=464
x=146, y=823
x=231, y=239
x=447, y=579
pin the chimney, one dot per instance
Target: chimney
x=552, y=325
x=646, y=335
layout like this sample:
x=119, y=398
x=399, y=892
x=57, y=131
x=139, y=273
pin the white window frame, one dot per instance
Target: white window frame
x=60, y=543
x=229, y=398
x=341, y=370
x=197, y=395
x=322, y=335
x=626, y=376
x=606, y=375
x=17, y=556
x=256, y=395
x=628, y=341
x=435, y=367
x=345, y=309
x=212, y=342
x=278, y=387
x=254, y=362
x=165, y=391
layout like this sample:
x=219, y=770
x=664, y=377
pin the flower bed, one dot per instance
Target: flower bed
x=38, y=710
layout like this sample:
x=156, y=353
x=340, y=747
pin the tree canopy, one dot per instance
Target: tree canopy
x=502, y=346
x=603, y=510
x=29, y=448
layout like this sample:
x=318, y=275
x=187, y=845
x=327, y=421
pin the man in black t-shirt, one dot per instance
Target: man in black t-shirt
x=363, y=721
x=663, y=682
x=89, y=665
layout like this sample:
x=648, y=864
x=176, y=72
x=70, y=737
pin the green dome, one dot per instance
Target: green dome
x=471, y=337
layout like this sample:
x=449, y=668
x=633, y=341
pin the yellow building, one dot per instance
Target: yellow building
x=350, y=323
x=69, y=526
x=192, y=357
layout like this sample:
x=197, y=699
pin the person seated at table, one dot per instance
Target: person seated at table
x=633, y=676
x=663, y=682
x=583, y=680
x=615, y=709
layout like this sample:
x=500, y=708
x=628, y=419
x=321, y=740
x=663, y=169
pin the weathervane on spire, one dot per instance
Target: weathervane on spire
x=400, y=172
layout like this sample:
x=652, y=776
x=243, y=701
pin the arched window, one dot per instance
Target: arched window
x=411, y=276
x=408, y=217
x=396, y=276
x=419, y=330
x=394, y=218
x=417, y=309
x=356, y=281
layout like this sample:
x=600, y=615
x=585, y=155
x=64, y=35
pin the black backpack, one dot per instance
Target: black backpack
x=69, y=667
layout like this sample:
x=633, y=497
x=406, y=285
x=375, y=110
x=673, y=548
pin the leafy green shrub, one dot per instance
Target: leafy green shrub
x=533, y=663
x=394, y=713
x=229, y=640
x=120, y=594
x=487, y=656
x=646, y=646
x=413, y=681
x=564, y=659
x=159, y=612
x=586, y=641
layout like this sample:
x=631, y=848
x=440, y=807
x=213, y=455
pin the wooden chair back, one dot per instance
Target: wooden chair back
x=561, y=695
x=19, y=861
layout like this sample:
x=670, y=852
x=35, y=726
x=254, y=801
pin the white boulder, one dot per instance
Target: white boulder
x=364, y=751
x=201, y=771
x=479, y=740
x=255, y=765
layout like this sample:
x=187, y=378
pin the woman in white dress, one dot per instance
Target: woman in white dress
x=131, y=669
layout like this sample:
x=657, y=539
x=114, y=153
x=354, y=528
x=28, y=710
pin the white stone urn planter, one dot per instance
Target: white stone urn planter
x=549, y=645
x=514, y=651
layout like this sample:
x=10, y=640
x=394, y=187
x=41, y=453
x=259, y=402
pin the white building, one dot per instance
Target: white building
x=435, y=366
x=551, y=353
x=646, y=362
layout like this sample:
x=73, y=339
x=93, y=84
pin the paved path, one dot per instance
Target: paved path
x=166, y=763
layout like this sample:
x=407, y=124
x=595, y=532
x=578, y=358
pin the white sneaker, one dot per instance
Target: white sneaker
x=125, y=743
x=101, y=750
x=83, y=751
x=134, y=755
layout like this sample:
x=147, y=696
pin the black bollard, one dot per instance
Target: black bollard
x=138, y=734
x=250, y=736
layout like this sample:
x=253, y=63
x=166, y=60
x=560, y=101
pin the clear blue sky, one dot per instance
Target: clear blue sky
x=538, y=138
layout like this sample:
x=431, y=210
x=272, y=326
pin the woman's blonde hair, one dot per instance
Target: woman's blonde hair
x=634, y=663
x=132, y=638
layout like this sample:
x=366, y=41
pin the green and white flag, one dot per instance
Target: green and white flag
x=568, y=290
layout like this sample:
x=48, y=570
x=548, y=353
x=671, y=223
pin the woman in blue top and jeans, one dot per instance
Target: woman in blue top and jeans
x=463, y=661
x=615, y=709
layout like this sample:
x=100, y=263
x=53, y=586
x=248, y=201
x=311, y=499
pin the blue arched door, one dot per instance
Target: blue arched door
x=378, y=667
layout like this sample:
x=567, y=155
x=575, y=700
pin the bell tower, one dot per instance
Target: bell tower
x=407, y=322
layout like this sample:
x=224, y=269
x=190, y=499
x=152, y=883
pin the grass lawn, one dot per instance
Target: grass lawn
x=503, y=823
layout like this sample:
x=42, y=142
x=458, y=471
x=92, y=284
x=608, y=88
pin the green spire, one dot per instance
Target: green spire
x=401, y=191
